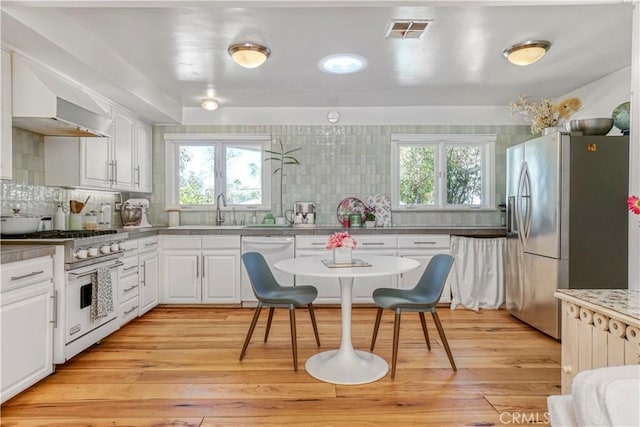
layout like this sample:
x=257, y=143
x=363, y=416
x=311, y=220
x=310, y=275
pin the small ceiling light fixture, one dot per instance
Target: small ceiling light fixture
x=343, y=64
x=209, y=104
x=526, y=53
x=249, y=55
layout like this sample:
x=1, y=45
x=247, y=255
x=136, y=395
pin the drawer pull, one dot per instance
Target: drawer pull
x=129, y=268
x=130, y=288
x=372, y=243
x=33, y=273
x=317, y=244
x=131, y=310
x=151, y=244
x=424, y=243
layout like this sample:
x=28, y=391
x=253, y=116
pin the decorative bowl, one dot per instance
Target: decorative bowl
x=596, y=126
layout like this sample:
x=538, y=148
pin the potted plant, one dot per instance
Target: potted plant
x=370, y=217
x=282, y=158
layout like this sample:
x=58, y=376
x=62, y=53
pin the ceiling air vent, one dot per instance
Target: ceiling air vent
x=407, y=28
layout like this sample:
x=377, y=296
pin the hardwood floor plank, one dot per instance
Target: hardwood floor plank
x=178, y=366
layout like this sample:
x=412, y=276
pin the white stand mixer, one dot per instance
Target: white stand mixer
x=134, y=213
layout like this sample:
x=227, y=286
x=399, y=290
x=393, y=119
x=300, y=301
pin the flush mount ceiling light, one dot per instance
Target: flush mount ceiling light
x=526, y=53
x=343, y=64
x=209, y=104
x=249, y=55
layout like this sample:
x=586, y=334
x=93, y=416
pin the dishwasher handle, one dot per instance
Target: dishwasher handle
x=268, y=241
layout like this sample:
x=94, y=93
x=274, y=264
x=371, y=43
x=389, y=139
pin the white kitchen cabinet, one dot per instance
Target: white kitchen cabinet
x=6, y=139
x=101, y=163
x=27, y=319
x=148, y=270
x=328, y=287
x=143, y=166
x=201, y=270
x=128, y=283
x=423, y=247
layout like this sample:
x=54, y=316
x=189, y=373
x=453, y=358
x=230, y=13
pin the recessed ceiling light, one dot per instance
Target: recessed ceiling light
x=209, y=104
x=526, y=53
x=249, y=55
x=343, y=64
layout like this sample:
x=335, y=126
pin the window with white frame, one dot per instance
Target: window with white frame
x=201, y=166
x=431, y=172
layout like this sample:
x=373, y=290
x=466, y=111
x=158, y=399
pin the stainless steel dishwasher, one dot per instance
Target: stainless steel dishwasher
x=274, y=249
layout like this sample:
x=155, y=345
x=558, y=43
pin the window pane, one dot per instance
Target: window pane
x=196, y=174
x=464, y=175
x=244, y=175
x=417, y=175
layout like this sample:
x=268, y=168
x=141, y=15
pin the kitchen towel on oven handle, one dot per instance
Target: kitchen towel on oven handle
x=101, y=294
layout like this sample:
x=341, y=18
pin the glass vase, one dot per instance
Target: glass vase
x=342, y=256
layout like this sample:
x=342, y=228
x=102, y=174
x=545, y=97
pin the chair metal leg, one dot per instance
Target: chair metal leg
x=256, y=315
x=443, y=337
x=375, y=328
x=424, y=329
x=294, y=341
x=396, y=338
x=266, y=332
x=313, y=323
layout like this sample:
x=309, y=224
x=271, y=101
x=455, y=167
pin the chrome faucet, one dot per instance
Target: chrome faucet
x=219, y=216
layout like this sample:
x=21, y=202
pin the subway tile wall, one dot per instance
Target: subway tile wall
x=338, y=162
x=27, y=191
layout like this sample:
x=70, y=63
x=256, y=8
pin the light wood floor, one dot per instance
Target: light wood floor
x=179, y=367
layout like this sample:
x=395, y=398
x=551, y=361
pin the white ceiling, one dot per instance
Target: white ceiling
x=158, y=58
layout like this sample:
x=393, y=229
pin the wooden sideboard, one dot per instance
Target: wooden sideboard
x=600, y=327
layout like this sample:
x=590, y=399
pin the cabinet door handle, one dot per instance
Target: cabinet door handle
x=33, y=273
x=198, y=267
x=132, y=309
x=115, y=168
x=143, y=279
x=137, y=183
x=54, y=298
x=130, y=288
x=203, y=272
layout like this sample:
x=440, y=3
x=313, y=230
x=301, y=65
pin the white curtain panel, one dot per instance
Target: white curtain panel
x=478, y=272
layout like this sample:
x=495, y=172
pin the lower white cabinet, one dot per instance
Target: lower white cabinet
x=26, y=316
x=328, y=287
x=201, y=270
x=422, y=247
x=148, y=266
x=128, y=283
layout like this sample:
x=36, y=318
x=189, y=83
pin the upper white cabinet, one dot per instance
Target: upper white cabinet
x=6, y=148
x=116, y=163
x=143, y=165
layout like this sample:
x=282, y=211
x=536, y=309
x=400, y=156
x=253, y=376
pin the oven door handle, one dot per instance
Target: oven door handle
x=88, y=273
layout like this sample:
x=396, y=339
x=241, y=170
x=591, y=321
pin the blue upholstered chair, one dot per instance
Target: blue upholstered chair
x=422, y=298
x=271, y=294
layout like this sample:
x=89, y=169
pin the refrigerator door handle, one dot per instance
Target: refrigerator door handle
x=527, y=196
x=520, y=196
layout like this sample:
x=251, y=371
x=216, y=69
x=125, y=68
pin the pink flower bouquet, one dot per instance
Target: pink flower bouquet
x=341, y=240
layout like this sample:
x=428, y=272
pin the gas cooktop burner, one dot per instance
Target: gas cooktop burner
x=56, y=234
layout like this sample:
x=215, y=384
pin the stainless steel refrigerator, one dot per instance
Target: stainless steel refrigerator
x=567, y=222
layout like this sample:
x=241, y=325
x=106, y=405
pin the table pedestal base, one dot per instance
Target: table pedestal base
x=347, y=367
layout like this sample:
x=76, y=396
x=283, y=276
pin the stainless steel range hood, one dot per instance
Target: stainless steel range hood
x=47, y=104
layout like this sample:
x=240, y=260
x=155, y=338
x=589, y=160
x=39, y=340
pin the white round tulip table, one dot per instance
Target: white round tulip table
x=346, y=365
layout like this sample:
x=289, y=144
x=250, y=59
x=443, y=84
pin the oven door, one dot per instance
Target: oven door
x=80, y=296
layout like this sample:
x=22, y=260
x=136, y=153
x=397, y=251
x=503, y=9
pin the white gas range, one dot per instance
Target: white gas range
x=78, y=256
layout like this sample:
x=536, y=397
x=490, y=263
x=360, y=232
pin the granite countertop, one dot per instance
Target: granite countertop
x=15, y=253
x=623, y=301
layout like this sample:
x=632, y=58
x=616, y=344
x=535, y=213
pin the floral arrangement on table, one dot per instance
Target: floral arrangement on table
x=545, y=114
x=633, y=203
x=341, y=240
